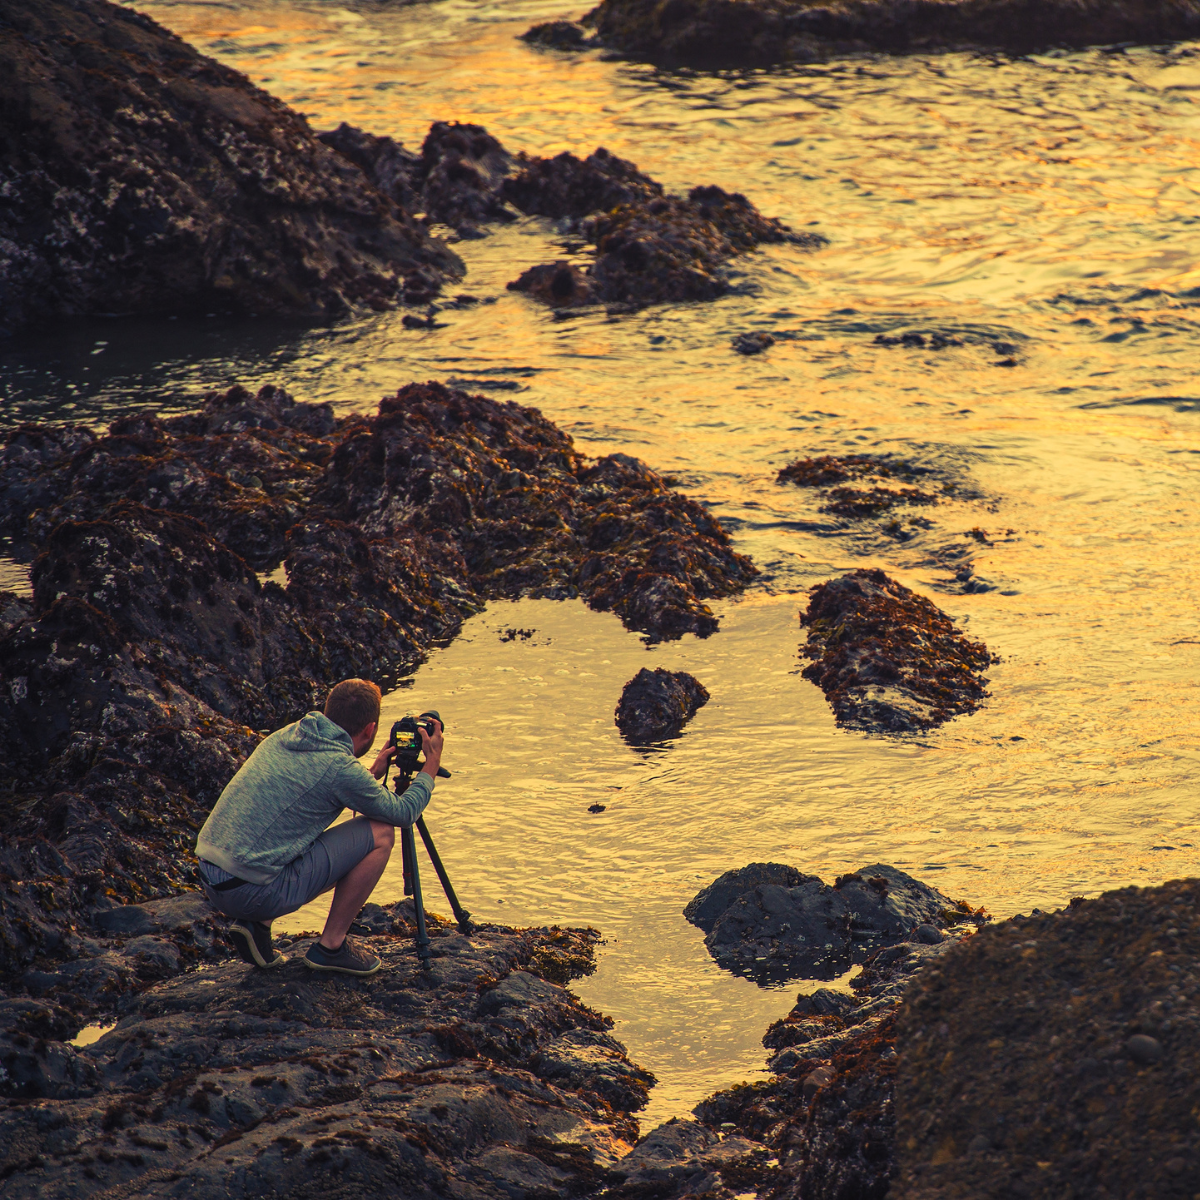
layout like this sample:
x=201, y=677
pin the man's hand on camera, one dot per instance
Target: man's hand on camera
x=380, y=765
x=432, y=746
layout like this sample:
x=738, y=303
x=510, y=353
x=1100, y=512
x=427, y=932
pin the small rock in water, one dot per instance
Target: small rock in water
x=558, y=35
x=752, y=343
x=597, y=808
x=656, y=705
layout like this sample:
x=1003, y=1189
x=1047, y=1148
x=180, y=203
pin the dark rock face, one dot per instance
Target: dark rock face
x=455, y=180
x=729, y=33
x=566, y=187
x=828, y=1113
x=888, y=660
x=558, y=35
x=151, y=651
x=140, y=176
x=656, y=705
x=477, y=1075
x=1066, y=1049
x=770, y=922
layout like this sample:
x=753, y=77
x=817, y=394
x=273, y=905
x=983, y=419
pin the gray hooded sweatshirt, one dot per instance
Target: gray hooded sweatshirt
x=289, y=791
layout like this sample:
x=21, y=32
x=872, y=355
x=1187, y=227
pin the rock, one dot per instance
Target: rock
x=681, y=1158
x=141, y=176
x=996, y=1042
x=828, y=1114
x=753, y=343
x=567, y=188
x=559, y=284
x=656, y=705
x=771, y=922
x=128, y=919
x=592, y=1060
x=710, y=902
x=710, y=34
x=1143, y=1049
x=930, y=935
x=240, y=1082
x=558, y=35
x=888, y=660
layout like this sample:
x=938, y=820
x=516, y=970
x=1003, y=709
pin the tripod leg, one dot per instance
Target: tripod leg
x=410, y=849
x=407, y=845
x=460, y=914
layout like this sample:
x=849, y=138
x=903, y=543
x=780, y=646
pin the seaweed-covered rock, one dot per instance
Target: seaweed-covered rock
x=729, y=33
x=1054, y=1052
x=770, y=922
x=656, y=705
x=828, y=1112
x=559, y=284
x=887, y=659
x=566, y=187
x=141, y=176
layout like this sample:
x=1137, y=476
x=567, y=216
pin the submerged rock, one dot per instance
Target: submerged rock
x=141, y=176
x=730, y=33
x=558, y=35
x=771, y=922
x=152, y=651
x=656, y=705
x=1057, y=1051
x=888, y=660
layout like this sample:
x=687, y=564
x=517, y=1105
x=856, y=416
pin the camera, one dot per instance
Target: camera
x=406, y=737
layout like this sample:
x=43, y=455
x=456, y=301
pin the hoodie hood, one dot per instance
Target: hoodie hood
x=315, y=733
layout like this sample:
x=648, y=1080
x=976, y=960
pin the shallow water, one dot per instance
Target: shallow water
x=1042, y=211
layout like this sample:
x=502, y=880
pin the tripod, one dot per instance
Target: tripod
x=412, y=877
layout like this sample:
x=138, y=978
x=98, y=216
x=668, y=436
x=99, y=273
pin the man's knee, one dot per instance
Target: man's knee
x=385, y=835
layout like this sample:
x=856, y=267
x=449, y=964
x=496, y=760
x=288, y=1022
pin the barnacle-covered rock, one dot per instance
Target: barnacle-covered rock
x=140, y=176
x=888, y=660
x=656, y=705
x=731, y=33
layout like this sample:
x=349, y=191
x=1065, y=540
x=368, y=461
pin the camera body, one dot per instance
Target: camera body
x=406, y=737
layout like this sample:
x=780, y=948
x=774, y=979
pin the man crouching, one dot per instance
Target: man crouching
x=267, y=847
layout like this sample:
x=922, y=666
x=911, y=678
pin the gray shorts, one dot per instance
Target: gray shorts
x=337, y=851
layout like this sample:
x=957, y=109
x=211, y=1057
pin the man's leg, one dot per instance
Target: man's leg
x=355, y=887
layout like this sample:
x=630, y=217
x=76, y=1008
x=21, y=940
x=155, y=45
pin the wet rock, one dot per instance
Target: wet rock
x=558, y=284
x=455, y=180
x=656, y=705
x=888, y=660
x=753, y=343
x=558, y=35
x=566, y=187
x=770, y=922
x=830, y=472
x=649, y=247
x=721, y=33
x=141, y=176
x=1026, y=1036
x=682, y=1158
x=303, y=1082
x=827, y=1113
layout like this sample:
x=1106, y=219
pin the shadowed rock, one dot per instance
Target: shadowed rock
x=140, y=176
x=771, y=922
x=888, y=660
x=656, y=705
x=728, y=33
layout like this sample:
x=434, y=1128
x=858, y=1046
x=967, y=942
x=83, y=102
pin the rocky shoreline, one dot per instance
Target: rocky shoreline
x=716, y=34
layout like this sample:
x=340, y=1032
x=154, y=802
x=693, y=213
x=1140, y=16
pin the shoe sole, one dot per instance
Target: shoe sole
x=248, y=951
x=312, y=966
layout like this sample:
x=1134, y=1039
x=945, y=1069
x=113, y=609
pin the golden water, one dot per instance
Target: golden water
x=1049, y=204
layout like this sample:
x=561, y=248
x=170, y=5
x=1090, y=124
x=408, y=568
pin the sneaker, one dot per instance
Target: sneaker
x=349, y=960
x=252, y=941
